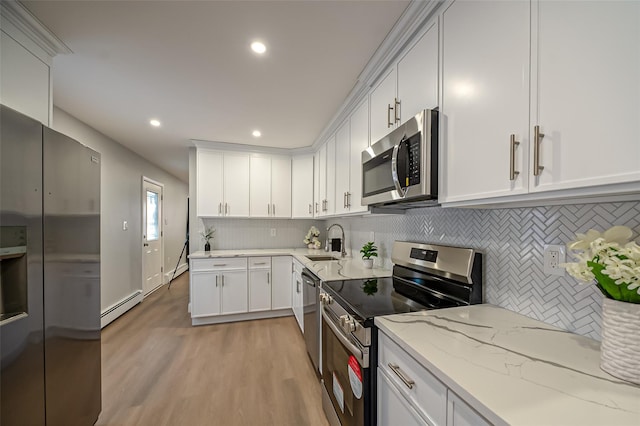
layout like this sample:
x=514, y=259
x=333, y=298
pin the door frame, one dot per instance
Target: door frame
x=142, y=232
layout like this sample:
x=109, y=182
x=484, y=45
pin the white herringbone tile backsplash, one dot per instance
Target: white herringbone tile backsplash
x=512, y=241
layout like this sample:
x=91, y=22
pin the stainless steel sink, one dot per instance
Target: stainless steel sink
x=320, y=257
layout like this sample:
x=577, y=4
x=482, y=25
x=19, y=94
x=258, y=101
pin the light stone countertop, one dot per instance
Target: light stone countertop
x=513, y=369
x=327, y=270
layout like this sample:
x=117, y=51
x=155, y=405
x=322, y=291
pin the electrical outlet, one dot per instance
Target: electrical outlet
x=372, y=236
x=553, y=257
x=273, y=232
x=125, y=225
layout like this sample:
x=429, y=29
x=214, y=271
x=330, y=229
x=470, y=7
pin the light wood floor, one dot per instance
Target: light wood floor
x=159, y=370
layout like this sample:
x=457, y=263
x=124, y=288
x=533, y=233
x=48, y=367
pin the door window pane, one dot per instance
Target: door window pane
x=153, y=228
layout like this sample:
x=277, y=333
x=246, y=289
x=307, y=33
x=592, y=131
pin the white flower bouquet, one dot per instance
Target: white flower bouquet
x=311, y=239
x=609, y=258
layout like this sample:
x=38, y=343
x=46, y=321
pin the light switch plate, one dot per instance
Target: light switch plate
x=273, y=232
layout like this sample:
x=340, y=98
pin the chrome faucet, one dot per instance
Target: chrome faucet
x=342, y=240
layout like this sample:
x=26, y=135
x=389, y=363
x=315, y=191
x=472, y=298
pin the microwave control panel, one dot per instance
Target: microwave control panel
x=412, y=165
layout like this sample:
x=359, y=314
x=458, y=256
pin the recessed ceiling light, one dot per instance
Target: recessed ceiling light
x=154, y=123
x=258, y=47
x=256, y=133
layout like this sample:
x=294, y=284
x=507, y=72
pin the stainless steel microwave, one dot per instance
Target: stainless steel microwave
x=402, y=167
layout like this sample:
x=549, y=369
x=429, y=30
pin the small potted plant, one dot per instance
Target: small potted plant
x=207, y=235
x=368, y=251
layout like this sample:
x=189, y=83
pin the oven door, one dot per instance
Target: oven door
x=346, y=375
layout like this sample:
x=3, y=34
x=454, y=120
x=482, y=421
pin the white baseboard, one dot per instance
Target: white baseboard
x=182, y=268
x=119, y=308
x=217, y=319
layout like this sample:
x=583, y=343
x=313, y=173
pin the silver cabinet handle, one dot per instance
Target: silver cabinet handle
x=389, y=108
x=226, y=208
x=217, y=280
x=222, y=280
x=344, y=200
x=310, y=209
x=274, y=209
x=260, y=263
x=348, y=200
x=268, y=278
x=219, y=208
x=297, y=286
x=513, y=143
x=268, y=209
x=537, y=168
x=407, y=381
x=316, y=207
x=396, y=117
x=219, y=264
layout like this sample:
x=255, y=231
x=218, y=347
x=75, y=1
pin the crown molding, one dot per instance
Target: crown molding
x=412, y=20
x=24, y=21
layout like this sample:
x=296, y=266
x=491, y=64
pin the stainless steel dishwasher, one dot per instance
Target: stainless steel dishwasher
x=310, y=297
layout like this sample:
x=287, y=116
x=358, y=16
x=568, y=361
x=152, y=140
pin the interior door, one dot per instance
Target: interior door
x=152, y=236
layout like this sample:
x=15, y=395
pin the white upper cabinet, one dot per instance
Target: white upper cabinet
x=209, y=170
x=382, y=106
x=302, y=186
x=418, y=76
x=270, y=186
x=326, y=177
x=317, y=202
x=281, y=186
x=485, y=99
x=587, y=97
x=408, y=87
x=531, y=109
x=342, y=163
x=351, y=139
x=359, y=142
x=222, y=184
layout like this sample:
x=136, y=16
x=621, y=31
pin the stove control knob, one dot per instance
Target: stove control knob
x=325, y=299
x=350, y=325
x=343, y=320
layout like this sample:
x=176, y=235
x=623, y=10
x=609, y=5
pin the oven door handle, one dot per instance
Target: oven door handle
x=355, y=351
x=394, y=169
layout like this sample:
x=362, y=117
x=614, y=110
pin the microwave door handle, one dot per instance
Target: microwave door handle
x=394, y=170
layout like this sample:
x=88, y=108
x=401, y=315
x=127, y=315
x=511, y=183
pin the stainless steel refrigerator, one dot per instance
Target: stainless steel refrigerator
x=50, y=276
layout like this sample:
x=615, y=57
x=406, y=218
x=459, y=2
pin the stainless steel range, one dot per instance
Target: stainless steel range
x=424, y=277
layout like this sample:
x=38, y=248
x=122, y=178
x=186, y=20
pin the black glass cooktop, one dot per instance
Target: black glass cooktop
x=369, y=298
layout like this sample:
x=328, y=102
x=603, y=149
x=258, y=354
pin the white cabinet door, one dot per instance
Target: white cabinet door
x=281, y=282
x=302, y=186
x=461, y=414
x=260, y=186
x=317, y=201
x=280, y=186
x=25, y=82
x=236, y=184
x=393, y=408
x=382, y=106
x=297, y=301
x=331, y=177
x=205, y=294
x=485, y=99
x=259, y=290
x=209, y=171
x=418, y=75
x=342, y=163
x=234, y=292
x=587, y=99
x=359, y=142
x=322, y=179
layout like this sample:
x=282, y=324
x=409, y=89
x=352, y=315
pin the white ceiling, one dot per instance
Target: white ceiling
x=188, y=64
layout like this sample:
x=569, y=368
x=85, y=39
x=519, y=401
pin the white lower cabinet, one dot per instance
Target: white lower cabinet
x=240, y=288
x=393, y=408
x=408, y=394
x=218, y=286
x=259, y=284
x=296, y=293
x=459, y=413
x=415, y=384
x=281, y=282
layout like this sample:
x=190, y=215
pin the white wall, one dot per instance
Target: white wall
x=121, y=199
